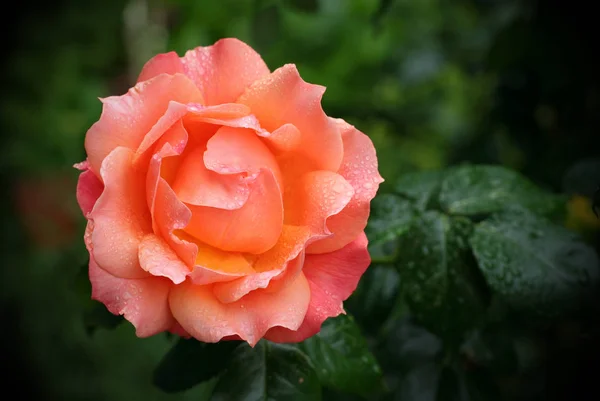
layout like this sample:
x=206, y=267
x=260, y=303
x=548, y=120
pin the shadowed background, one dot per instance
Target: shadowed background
x=432, y=82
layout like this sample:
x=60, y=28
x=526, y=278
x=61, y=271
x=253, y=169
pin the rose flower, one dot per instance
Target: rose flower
x=221, y=201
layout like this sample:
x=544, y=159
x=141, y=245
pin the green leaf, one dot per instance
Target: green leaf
x=342, y=358
x=374, y=297
x=440, y=281
x=191, y=362
x=485, y=189
x=533, y=264
x=422, y=187
x=419, y=383
x=390, y=218
x=268, y=372
x=412, y=358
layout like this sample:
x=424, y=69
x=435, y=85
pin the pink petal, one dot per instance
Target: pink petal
x=127, y=119
x=120, y=216
x=166, y=63
x=196, y=185
x=215, y=114
x=205, y=318
x=219, y=174
x=284, y=98
x=222, y=71
x=332, y=278
x=236, y=150
x=89, y=189
x=284, y=139
x=170, y=216
x=158, y=259
x=359, y=168
x=270, y=265
x=144, y=302
x=314, y=197
x=236, y=230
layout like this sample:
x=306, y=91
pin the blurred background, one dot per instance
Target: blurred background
x=432, y=82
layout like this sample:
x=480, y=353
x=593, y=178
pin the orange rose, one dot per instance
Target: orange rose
x=222, y=202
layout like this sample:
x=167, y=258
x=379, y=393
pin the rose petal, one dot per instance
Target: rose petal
x=158, y=259
x=236, y=230
x=316, y=196
x=359, y=168
x=89, y=189
x=283, y=97
x=166, y=63
x=121, y=217
x=175, y=111
x=217, y=175
x=200, y=313
x=144, y=302
x=236, y=150
x=284, y=139
x=332, y=278
x=197, y=185
x=270, y=265
x=127, y=119
x=222, y=71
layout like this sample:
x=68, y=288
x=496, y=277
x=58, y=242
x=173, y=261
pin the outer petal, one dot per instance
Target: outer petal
x=205, y=318
x=126, y=119
x=236, y=230
x=222, y=71
x=315, y=197
x=332, y=278
x=89, y=189
x=359, y=168
x=283, y=97
x=166, y=63
x=120, y=216
x=144, y=302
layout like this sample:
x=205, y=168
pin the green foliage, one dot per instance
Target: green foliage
x=342, y=359
x=533, y=264
x=439, y=280
x=191, y=362
x=269, y=372
x=481, y=190
x=475, y=252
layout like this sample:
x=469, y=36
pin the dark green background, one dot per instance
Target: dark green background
x=432, y=82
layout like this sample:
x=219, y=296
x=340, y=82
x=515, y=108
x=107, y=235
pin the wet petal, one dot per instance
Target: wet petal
x=222, y=71
x=284, y=98
x=166, y=63
x=127, y=119
x=359, y=168
x=196, y=185
x=121, y=217
x=269, y=266
x=158, y=259
x=316, y=196
x=144, y=302
x=200, y=313
x=89, y=189
x=236, y=150
x=236, y=230
x=332, y=278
